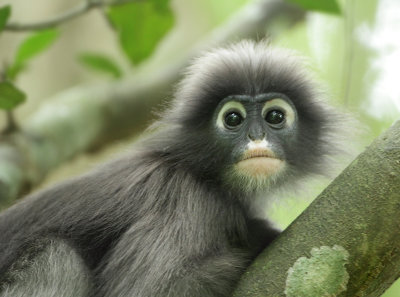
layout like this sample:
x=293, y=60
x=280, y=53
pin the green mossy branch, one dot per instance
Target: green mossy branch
x=360, y=212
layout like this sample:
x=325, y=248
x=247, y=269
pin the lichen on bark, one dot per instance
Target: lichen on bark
x=322, y=275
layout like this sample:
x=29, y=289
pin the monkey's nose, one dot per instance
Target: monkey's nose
x=256, y=135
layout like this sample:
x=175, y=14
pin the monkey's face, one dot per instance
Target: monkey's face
x=250, y=116
x=256, y=130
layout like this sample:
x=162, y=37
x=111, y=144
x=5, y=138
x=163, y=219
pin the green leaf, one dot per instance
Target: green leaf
x=29, y=48
x=13, y=70
x=35, y=44
x=161, y=5
x=10, y=96
x=328, y=6
x=100, y=63
x=140, y=26
x=5, y=13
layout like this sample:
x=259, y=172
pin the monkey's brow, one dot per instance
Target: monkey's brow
x=256, y=98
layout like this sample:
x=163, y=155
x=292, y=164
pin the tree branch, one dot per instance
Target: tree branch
x=349, y=235
x=11, y=123
x=74, y=12
x=87, y=117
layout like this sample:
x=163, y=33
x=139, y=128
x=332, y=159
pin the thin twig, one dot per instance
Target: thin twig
x=74, y=12
x=11, y=125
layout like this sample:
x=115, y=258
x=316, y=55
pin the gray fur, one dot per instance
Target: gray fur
x=57, y=271
x=171, y=219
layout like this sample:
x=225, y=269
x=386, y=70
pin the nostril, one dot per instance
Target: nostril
x=256, y=136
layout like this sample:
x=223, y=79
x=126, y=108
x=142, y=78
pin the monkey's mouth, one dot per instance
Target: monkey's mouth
x=258, y=153
x=259, y=162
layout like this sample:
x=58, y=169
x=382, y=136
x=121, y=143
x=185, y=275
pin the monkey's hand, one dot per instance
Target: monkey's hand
x=261, y=234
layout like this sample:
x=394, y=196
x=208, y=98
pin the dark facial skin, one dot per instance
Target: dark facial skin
x=255, y=124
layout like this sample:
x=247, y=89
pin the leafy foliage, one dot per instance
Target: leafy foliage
x=140, y=26
x=10, y=96
x=35, y=44
x=5, y=13
x=100, y=63
x=29, y=48
x=328, y=6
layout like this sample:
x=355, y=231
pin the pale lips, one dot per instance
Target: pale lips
x=259, y=162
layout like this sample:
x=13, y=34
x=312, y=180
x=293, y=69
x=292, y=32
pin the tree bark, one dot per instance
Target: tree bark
x=347, y=242
x=87, y=117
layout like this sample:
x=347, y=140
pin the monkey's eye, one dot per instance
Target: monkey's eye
x=233, y=119
x=279, y=113
x=275, y=117
x=231, y=115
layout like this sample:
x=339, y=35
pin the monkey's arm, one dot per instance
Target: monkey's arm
x=178, y=271
x=171, y=257
x=137, y=268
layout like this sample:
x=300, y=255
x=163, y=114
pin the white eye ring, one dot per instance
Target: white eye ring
x=229, y=106
x=282, y=105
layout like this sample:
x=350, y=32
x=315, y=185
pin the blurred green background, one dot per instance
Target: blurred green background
x=354, y=53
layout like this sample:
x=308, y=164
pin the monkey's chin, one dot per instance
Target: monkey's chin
x=260, y=167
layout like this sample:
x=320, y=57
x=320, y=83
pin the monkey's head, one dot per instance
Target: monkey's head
x=249, y=116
